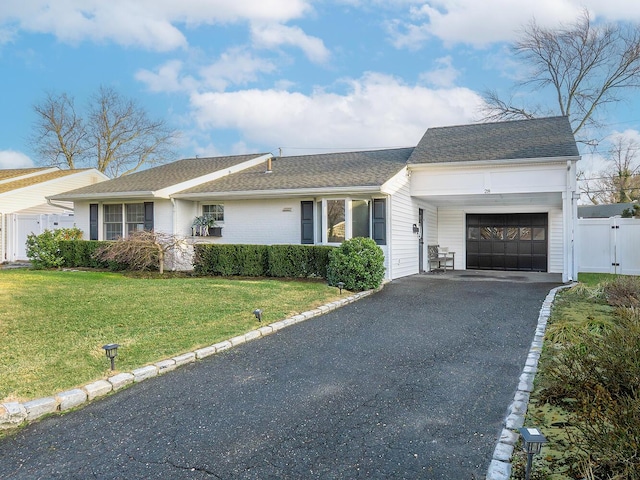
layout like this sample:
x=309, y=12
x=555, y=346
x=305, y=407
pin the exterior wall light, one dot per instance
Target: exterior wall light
x=533, y=440
x=340, y=285
x=111, y=350
x=258, y=313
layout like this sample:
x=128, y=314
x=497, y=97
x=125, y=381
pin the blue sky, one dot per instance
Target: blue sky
x=304, y=76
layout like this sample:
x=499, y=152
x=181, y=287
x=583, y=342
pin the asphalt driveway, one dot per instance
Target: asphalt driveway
x=411, y=382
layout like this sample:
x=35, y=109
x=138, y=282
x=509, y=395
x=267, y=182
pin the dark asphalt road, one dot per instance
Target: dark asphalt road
x=411, y=382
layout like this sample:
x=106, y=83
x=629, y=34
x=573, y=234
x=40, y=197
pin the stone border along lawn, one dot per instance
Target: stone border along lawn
x=14, y=414
x=500, y=467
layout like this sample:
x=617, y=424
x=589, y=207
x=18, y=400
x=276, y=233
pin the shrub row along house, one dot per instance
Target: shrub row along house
x=500, y=195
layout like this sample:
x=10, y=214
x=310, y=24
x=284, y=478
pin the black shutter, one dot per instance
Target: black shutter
x=306, y=223
x=148, y=216
x=379, y=221
x=93, y=221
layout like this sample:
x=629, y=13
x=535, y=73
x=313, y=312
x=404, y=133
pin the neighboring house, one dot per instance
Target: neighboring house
x=24, y=207
x=500, y=195
x=603, y=211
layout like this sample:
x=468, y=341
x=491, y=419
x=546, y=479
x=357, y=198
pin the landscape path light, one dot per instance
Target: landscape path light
x=533, y=440
x=340, y=285
x=111, y=350
x=258, y=313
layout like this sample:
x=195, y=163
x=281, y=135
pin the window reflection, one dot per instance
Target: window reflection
x=335, y=221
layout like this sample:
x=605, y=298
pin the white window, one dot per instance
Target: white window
x=123, y=219
x=215, y=211
x=112, y=222
x=347, y=218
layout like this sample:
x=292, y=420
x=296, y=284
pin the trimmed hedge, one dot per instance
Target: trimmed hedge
x=262, y=260
x=82, y=253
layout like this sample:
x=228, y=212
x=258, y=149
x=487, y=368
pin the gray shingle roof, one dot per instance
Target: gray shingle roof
x=164, y=176
x=536, y=138
x=331, y=170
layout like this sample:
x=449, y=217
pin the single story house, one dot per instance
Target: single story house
x=500, y=195
x=24, y=207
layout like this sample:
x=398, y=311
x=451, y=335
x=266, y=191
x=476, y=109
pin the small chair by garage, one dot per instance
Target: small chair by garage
x=440, y=258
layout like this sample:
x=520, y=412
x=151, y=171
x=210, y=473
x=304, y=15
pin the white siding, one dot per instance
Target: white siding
x=555, y=243
x=162, y=216
x=451, y=179
x=81, y=215
x=265, y=222
x=403, y=242
x=451, y=225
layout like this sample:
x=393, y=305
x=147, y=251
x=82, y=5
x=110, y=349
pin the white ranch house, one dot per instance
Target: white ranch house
x=502, y=196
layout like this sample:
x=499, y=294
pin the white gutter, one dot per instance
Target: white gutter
x=296, y=192
x=485, y=163
x=64, y=207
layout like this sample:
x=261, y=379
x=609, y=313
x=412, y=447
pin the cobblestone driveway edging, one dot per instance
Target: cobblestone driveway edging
x=500, y=467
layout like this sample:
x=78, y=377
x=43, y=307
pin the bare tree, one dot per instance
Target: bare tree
x=116, y=136
x=586, y=66
x=60, y=135
x=620, y=181
x=123, y=137
x=142, y=250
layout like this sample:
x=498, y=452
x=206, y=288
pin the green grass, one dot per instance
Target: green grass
x=53, y=323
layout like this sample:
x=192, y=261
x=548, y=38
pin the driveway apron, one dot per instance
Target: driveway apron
x=411, y=382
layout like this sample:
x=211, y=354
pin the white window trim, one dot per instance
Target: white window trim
x=348, y=216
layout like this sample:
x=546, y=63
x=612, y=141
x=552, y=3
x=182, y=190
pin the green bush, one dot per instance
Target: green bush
x=228, y=260
x=358, y=262
x=84, y=254
x=262, y=260
x=304, y=261
x=44, y=250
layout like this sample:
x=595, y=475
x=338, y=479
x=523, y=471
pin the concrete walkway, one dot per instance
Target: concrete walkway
x=411, y=382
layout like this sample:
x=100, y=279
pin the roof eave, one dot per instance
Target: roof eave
x=484, y=163
x=296, y=192
x=102, y=196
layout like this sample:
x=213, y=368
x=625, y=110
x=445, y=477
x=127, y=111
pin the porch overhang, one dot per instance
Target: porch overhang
x=478, y=203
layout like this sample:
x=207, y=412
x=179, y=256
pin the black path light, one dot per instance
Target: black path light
x=258, y=313
x=533, y=440
x=340, y=285
x=111, y=350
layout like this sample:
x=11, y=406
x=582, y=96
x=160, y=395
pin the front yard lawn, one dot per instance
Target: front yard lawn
x=53, y=323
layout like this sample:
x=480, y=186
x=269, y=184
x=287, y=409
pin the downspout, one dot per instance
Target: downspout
x=174, y=216
x=3, y=232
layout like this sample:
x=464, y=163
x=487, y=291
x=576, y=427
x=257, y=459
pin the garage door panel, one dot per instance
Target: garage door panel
x=507, y=241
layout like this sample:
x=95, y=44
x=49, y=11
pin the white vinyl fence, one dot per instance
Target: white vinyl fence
x=609, y=245
x=18, y=226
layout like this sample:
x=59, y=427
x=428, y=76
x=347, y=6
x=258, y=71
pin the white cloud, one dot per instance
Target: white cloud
x=236, y=67
x=444, y=75
x=167, y=78
x=377, y=111
x=489, y=21
x=13, y=159
x=274, y=35
x=151, y=24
